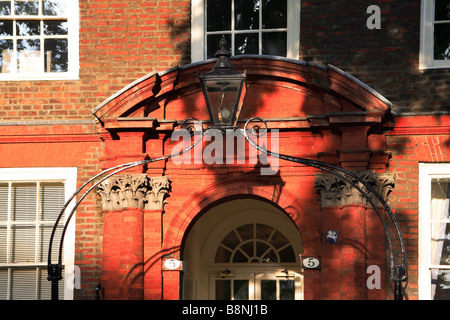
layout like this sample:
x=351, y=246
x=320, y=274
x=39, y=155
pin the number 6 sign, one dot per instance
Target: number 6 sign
x=309, y=262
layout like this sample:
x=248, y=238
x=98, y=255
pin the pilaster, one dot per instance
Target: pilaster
x=358, y=234
x=132, y=236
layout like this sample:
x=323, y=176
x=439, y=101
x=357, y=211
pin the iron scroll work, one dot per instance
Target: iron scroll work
x=399, y=271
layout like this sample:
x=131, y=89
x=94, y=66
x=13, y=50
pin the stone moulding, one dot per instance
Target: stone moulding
x=335, y=192
x=134, y=191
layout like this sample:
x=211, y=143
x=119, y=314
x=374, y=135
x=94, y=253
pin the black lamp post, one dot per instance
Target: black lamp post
x=224, y=90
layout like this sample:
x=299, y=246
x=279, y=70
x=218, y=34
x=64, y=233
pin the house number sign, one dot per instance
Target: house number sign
x=172, y=264
x=310, y=263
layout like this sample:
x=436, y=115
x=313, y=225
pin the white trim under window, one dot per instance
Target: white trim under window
x=434, y=199
x=30, y=200
x=39, y=40
x=427, y=30
x=198, y=31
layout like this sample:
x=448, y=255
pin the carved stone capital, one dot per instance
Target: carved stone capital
x=133, y=191
x=159, y=189
x=124, y=191
x=335, y=192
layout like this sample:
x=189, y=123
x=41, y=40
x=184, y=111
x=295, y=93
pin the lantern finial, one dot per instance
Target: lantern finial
x=222, y=56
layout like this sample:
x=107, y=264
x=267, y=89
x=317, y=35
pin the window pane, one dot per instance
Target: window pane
x=3, y=246
x=51, y=200
x=440, y=198
x=263, y=232
x=239, y=257
x=44, y=241
x=23, y=242
x=222, y=255
x=442, y=41
x=218, y=15
x=23, y=206
x=271, y=256
x=246, y=14
x=442, y=10
x=261, y=248
x=56, y=51
x=27, y=7
x=29, y=56
x=268, y=289
x=6, y=53
x=287, y=254
x=274, y=14
x=247, y=248
x=3, y=201
x=223, y=289
x=55, y=28
x=5, y=8
x=231, y=240
x=23, y=284
x=440, y=284
x=247, y=43
x=6, y=28
x=54, y=7
x=212, y=43
x=440, y=243
x=278, y=240
x=28, y=28
x=274, y=43
x=56, y=55
x=287, y=290
x=246, y=232
x=241, y=289
x=3, y=284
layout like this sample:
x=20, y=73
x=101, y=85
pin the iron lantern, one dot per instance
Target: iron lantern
x=224, y=90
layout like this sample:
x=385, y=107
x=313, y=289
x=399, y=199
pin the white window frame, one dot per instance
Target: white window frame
x=427, y=172
x=198, y=30
x=69, y=177
x=73, y=21
x=426, y=55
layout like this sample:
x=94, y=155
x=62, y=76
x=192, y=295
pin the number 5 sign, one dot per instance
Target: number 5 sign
x=310, y=262
x=172, y=264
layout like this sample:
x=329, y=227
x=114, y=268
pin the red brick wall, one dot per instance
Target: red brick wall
x=64, y=146
x=414, y=140
x=120, y=41
x=386, y=59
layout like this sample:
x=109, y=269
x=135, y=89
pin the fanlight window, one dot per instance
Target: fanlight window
x=255, y=243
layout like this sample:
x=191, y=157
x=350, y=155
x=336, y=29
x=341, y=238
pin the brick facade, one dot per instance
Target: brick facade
x=76, y=124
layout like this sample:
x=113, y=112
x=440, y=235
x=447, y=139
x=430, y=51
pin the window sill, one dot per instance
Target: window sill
x=39, y=77
x=436, y=64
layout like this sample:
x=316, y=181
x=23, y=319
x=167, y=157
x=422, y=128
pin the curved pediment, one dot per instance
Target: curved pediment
x=278, y=88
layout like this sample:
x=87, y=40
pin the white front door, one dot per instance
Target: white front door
x=256, y=286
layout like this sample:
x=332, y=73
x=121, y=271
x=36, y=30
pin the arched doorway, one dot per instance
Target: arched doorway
x=243, y=249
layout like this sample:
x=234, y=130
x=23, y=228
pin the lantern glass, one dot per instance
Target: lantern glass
x=224, y=95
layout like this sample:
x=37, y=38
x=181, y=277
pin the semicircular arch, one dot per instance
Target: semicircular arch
x=217, y=193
